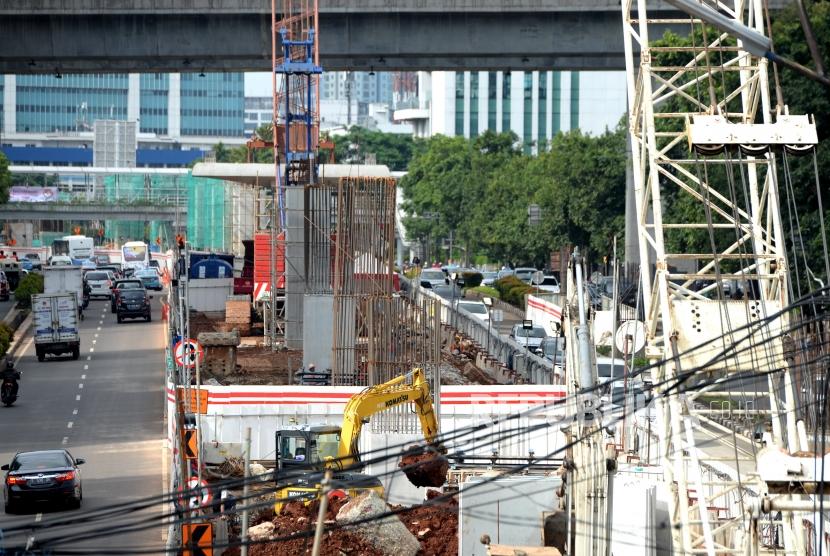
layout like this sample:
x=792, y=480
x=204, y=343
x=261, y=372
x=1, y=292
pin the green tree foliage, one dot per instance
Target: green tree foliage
x=5, y=178
x=481, y=190
x=31, y=284
x=6, y=337
x=391, y=149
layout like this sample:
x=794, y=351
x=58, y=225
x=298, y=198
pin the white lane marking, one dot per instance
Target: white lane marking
x=65, y=440
x=99, y=328
x=100, y=322
x=78, y=398
x=91, y=350
x=83, y=377
x=69, y=425
x=81, y=386
x=96, y=335
x=94, y=341
x=74, y=412
x=23, y=350
x=38, y=517
x=89, y=358
x=86, y=367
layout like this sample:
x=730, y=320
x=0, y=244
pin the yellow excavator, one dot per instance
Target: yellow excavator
x=304, y=449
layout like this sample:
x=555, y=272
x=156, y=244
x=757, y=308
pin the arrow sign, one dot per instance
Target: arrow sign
x=191, y=444
x=197, y=539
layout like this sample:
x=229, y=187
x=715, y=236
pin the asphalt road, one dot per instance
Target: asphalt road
x=5, y=306
x=106, y=407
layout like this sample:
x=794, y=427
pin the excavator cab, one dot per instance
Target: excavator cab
x=307, y=446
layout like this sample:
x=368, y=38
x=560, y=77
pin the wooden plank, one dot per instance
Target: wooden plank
x=504, y=550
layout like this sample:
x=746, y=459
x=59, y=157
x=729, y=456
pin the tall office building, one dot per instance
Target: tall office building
x=360, y=86
x=534, y=105
x=176, y=112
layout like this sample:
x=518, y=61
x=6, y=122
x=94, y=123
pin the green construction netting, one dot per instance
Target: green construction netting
x=201, y=202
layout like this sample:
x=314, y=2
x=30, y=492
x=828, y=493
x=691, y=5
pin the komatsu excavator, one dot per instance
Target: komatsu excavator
x=305, y=449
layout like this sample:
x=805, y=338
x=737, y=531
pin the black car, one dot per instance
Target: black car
x=124, y=284
x=133, y=304
x=46, y=475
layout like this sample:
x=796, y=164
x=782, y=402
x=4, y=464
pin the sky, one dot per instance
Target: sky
x=258, y=84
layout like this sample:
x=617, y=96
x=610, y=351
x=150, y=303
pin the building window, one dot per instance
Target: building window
x=556, y=125
x=574, y=100
x=543, y=110
x=459, y=103
x=491, y=100
x=474, y=104
x=527, y=136
x=505, y=103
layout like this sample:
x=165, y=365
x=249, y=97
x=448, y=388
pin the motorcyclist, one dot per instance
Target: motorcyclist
x=10, y=373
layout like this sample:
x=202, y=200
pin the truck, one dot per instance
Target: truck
x=57, y=279
x=55, y=324
x=312, y=448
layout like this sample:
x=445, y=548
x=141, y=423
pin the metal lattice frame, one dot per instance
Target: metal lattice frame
x=664, y=168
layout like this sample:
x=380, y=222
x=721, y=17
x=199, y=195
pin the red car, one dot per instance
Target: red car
x=5, y=292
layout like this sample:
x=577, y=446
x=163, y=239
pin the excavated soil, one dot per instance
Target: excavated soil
x=434, y=525
x=428, y=469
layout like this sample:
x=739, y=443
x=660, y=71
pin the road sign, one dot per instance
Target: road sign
x=197, y=539
x=191, y=444
x=185, y=353
x=496, y=315
x=200, y=494
x=537, y=277
x=634, y=331
x=198, y=399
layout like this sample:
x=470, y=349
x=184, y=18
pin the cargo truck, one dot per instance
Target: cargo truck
x=58, y=279
x=55, y=324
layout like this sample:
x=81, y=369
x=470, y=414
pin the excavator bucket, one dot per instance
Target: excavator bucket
x=425, y=467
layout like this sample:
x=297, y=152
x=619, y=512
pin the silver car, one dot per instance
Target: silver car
x=100, y=283
x=531, y=337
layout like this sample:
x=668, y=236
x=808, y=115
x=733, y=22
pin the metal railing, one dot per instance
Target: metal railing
x=509, y=353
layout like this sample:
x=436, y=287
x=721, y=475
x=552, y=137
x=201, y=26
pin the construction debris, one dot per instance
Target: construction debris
x=261, y=531
x=387, y=534
x=435, y=524
x=426, y=469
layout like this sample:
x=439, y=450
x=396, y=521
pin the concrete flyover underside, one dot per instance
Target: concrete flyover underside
x=83, y=36
x=49, y=211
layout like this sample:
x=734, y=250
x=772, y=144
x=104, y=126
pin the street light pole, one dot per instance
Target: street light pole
x=488, y=302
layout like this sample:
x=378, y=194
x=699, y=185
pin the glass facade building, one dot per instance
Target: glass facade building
x=213, y=104
x=48, y=104
x=170, y=106
x=534, y=105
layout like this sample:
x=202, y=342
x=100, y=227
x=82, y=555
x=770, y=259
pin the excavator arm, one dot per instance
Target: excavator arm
x=375, y=399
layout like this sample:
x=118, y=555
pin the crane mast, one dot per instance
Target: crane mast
x=699, y=115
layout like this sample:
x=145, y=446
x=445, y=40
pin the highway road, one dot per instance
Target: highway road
x=106, y=407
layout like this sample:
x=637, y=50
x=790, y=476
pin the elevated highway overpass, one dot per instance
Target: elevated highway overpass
x=92, y=36
x=27, y=212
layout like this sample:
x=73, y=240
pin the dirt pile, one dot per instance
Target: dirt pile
x=426, y=469
x=435, y=525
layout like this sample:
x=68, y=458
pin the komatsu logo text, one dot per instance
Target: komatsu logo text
x=396, y=401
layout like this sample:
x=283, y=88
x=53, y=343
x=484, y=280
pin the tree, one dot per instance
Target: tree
x=5, y=178
x=394, y=150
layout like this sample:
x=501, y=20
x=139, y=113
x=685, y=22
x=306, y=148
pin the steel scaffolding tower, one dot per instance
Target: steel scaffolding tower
x=295, y=83
x=700, y=114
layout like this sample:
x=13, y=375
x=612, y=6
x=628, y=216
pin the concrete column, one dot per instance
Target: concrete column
x=295, y=278
x=549, y=107
x=467, y=104
x=483, y=100
x=632, y=244
x=565, y=106
x=174, y=106
x=517, y=103
x=134, y=98
x=9, y=104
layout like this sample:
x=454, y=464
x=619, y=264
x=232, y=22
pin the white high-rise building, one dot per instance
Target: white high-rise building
x=534, y=105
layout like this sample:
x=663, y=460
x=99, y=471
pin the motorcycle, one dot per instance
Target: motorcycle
x=8, y=391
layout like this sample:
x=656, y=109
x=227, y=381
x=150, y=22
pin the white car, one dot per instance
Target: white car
x=60, y=260
x=549, y=284
x=531, y=337
x=100, y=282
x=476, y=309
x=431, y=277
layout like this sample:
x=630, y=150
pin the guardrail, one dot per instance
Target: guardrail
x=509, y=353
